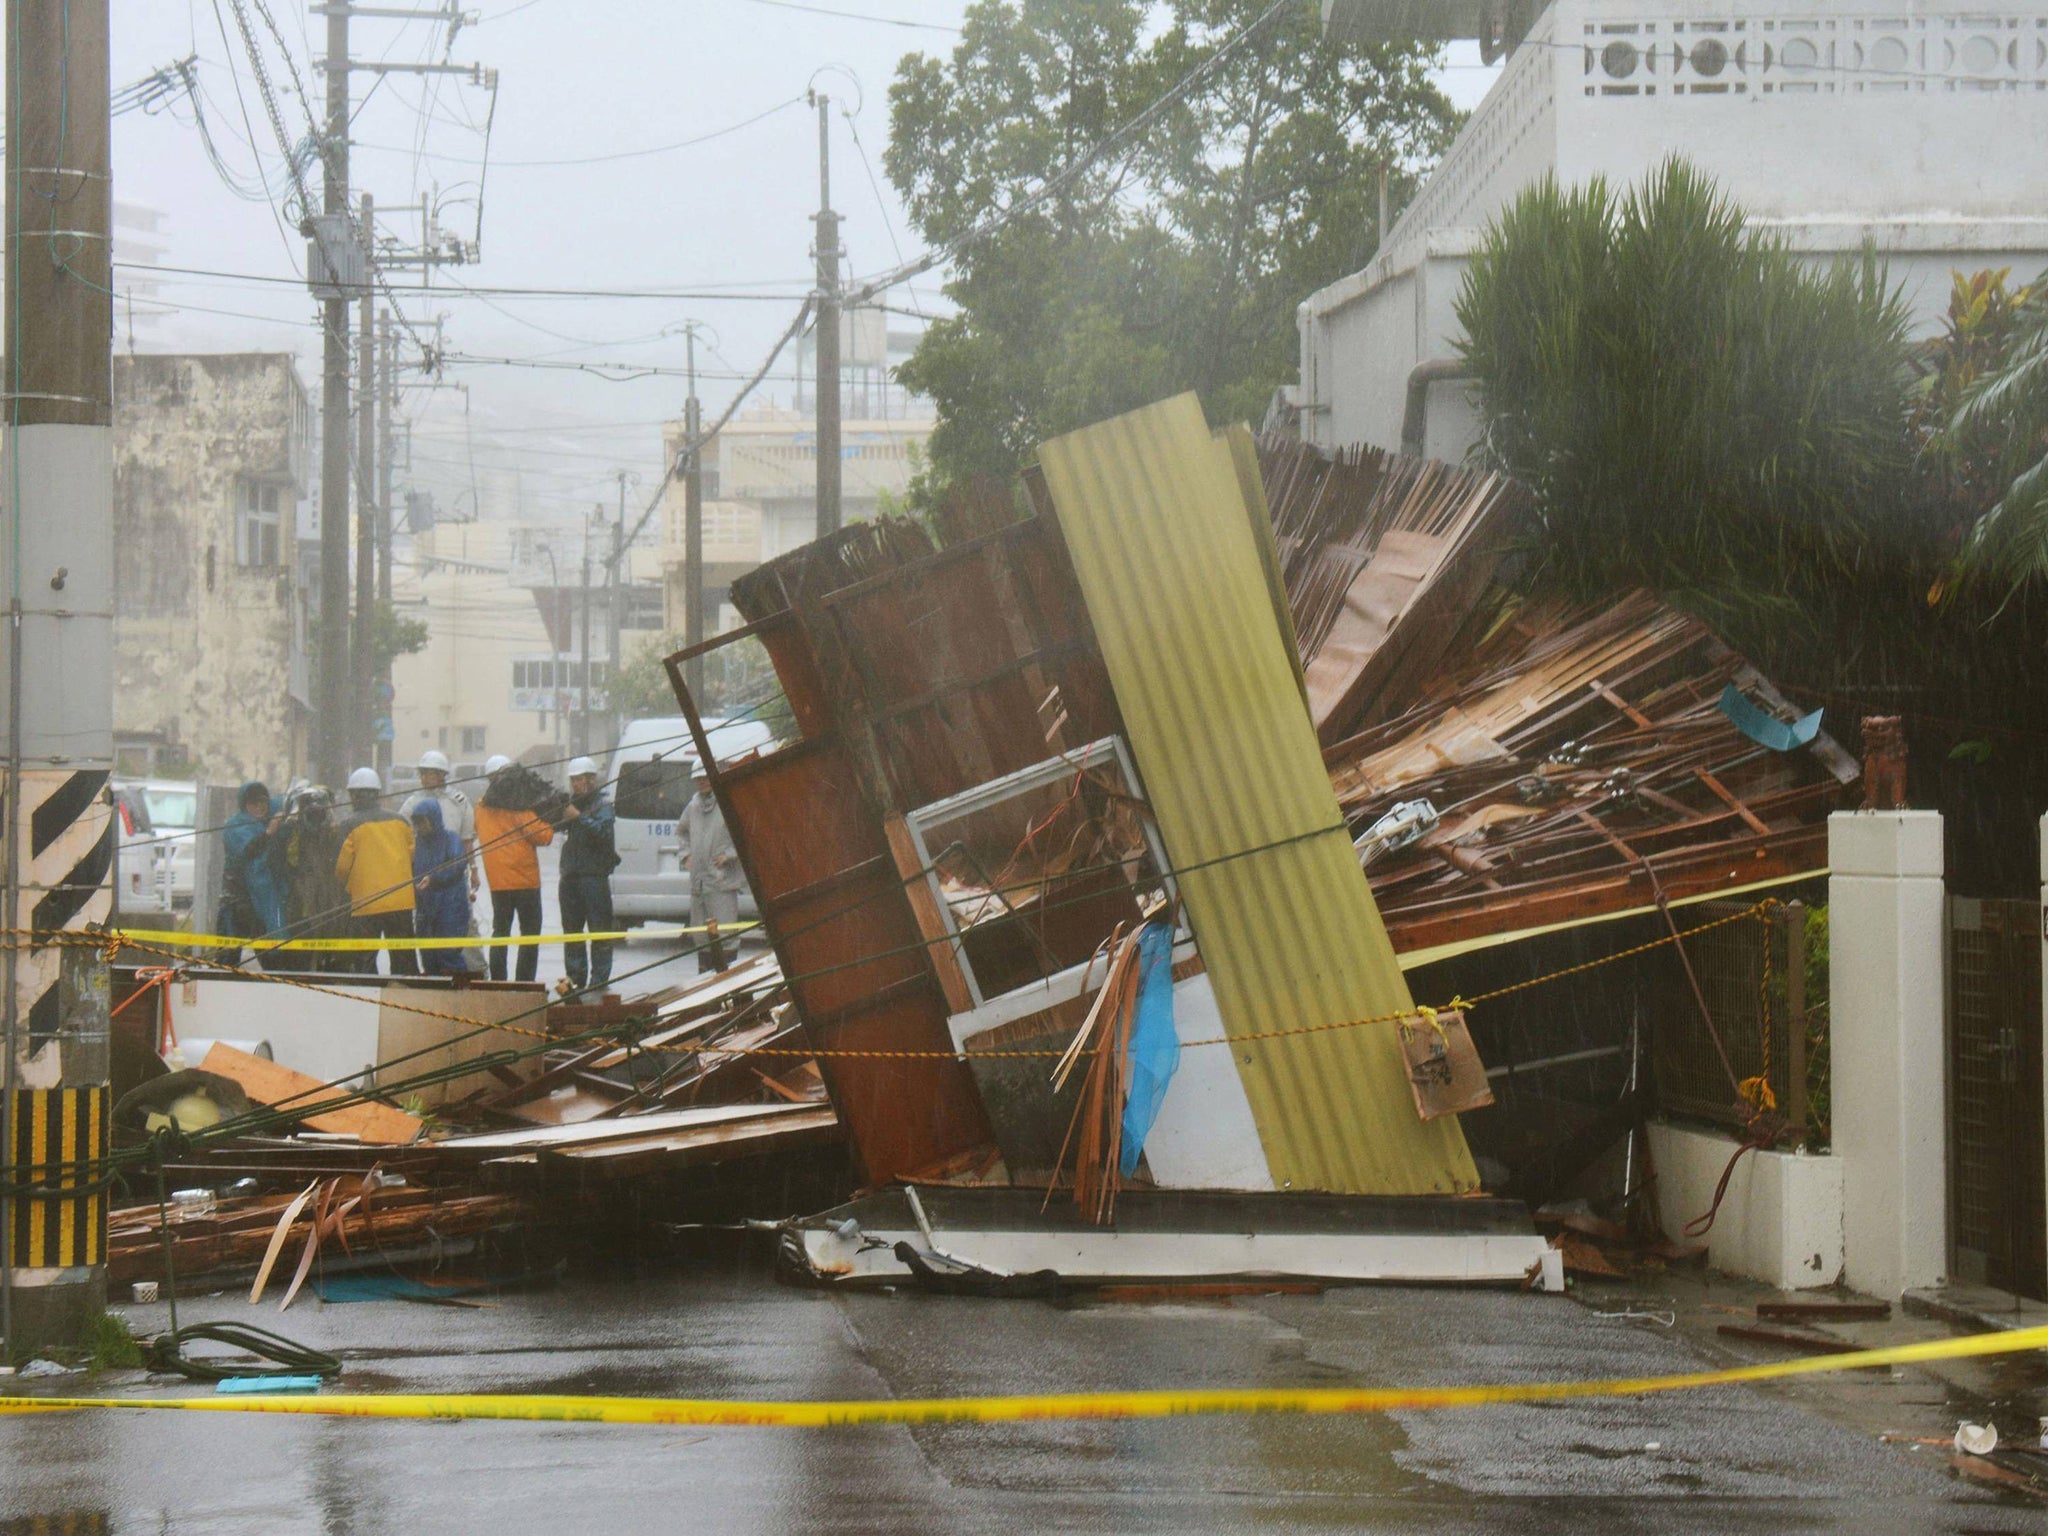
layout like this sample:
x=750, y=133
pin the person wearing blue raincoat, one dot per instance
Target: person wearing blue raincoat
x=251, y=904
x=440, y=868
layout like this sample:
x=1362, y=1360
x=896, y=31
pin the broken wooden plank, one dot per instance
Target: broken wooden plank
x=1824, y=1311
x=1786, y=1338
x=924, y=906
x=1727, y=797
x=300, y=1095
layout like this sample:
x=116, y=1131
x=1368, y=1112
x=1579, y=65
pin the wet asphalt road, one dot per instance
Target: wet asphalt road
x=718, y=1326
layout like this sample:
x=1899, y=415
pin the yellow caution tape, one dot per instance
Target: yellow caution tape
x=474, y=941
x=1068, y=1405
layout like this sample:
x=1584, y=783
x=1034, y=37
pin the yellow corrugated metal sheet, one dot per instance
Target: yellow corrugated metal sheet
x=1152, y=509
x=1251, y=485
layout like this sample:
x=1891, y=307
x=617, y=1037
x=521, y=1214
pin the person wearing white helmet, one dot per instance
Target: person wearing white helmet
x=375, y=866
x=508, y=831
x=588, y=859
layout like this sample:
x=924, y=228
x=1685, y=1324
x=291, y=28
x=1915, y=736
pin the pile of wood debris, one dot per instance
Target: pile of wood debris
x=1507, y=765
x=647, y=1086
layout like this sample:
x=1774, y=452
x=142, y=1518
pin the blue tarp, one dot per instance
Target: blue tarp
x=1154, y=1048
x=1767, y=730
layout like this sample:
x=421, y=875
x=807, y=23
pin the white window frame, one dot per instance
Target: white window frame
x=985, y=796
x=254, y=521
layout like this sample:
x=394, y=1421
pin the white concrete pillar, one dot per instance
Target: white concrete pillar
x=1887, y=929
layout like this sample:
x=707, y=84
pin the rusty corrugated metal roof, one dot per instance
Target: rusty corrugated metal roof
x=1157, y=523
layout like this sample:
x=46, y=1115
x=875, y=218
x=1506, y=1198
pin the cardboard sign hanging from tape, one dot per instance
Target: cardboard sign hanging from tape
x=1444, y=1070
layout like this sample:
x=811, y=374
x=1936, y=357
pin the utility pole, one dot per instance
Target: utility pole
x=387, y=402
x=340, y=269
x=57, y=556
x=828, y=331
x=615, y=608
x=693, y=520
x=363, y=695
x=583, y=663
x=330, y=663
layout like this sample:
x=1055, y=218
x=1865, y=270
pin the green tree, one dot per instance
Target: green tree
x=393, y=634
x=1754, y=438
x=2001, y=427
x=1697, y=410
x=1175, y=263
x=739, y=683
x=1963, y=463
x=640, y=687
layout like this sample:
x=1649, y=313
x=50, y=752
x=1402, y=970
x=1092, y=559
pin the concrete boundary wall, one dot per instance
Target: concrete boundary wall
x=1781, y=1220
x=1873, y=1213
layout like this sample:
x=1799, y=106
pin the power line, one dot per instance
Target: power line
x=875, y=185
x=669, y=472
x=705, y=293
x=611, y=373
x=234, y=75
x=883, y=21
x=599, y=159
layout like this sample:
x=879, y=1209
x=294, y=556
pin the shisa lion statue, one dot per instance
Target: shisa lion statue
x=1884, y=763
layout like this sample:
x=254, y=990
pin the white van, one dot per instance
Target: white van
x=651, y=771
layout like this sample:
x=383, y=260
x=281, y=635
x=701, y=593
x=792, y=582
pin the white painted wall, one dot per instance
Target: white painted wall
x=1916, y=129
x=1205, y=1137
x=1781, y=1219
x=1887, y=978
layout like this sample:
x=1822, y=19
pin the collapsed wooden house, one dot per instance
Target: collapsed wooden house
x=1141, y=699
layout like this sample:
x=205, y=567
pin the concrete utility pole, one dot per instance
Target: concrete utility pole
x=342, y=269
x=363, y=699
x=615, y=607
x=583, y=645
x=693, y=520
x=331, y=712
x=387, y=402
x=58, y=559
x=558, y=668
x=828, y=331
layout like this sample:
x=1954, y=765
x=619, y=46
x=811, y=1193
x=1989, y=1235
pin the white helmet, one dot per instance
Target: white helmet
x=365, y=778
x=438, y=761
x=496, y=764
x=578, y=766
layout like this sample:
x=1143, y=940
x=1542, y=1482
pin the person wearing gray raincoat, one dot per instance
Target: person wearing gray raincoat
x=716, y=879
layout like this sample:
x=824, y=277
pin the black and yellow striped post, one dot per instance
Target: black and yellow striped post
x=59, y=1221
x=57, y=1135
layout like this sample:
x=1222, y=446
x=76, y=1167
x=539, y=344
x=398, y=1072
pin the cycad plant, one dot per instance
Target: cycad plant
x=1697, y=410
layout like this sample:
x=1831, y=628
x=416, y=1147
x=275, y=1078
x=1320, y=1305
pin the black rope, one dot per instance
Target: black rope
x=168, y=1352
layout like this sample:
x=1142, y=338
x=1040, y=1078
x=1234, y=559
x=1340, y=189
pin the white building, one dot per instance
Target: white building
x=1917, y=126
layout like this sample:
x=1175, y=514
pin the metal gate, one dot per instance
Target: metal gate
x=1998, y=1228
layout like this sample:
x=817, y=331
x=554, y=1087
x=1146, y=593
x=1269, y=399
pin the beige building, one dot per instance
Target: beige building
x=215, y=565
x=503, y=670
x=760, y=492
